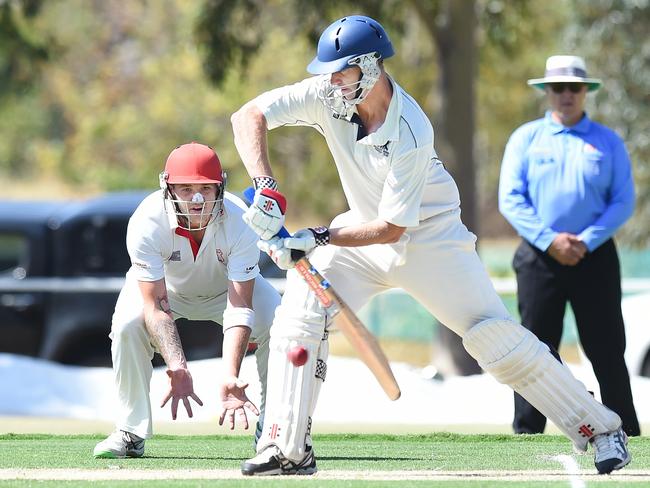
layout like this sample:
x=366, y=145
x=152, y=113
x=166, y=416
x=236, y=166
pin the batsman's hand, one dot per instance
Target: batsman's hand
x=266, y=214
x=277, y=251
x=181, y=387
x=235, y=402
x=307, y=239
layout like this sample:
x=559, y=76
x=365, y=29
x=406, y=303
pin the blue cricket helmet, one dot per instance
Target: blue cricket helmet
x=346, y=38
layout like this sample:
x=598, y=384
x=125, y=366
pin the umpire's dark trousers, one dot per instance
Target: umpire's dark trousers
x=593, y=288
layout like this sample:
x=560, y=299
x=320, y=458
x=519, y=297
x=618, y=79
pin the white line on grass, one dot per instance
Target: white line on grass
x=572, y=469
x=113, y=472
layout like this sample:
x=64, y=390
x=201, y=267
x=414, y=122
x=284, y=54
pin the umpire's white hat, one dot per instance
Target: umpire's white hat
x=565, y=69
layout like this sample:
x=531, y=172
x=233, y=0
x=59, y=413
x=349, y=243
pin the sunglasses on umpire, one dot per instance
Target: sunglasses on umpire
x=560, y=87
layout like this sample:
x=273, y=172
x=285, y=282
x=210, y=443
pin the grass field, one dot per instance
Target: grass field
x=349, y=460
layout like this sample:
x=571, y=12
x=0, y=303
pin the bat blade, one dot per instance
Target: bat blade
x=348, y=323
x=368, y=349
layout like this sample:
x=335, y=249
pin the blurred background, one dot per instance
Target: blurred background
x=94, y=94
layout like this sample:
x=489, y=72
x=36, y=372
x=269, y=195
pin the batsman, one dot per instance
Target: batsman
x=403, y=230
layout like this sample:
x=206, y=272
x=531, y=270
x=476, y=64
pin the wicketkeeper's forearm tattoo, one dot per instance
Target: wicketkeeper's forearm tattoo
x=164, y=333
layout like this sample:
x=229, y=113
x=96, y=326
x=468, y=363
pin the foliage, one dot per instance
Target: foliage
x=96, y=94
x=22, y=51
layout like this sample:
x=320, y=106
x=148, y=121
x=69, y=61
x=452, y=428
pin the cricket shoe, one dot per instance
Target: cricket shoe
x=120, y=444
x=271, y=461
x=610, y=451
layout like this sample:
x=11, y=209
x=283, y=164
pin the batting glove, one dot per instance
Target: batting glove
x=266, y=214
x=280, y=254
x=307, y=239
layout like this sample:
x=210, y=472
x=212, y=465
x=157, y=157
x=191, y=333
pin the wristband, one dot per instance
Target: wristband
x=321, y=234
x=261, y=182
x=236, y=316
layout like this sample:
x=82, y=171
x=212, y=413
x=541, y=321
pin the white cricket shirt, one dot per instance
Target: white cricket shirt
x=392, y=174
x=160, y=249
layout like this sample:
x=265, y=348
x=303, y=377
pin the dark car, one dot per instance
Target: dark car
x=62, y=265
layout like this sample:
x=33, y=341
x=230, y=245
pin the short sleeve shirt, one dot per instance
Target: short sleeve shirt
x=393, y=174
x=158, y=249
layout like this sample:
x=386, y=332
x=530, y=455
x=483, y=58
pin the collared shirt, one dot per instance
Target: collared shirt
x=566, y=179
x=160, y=249
x=392, y=174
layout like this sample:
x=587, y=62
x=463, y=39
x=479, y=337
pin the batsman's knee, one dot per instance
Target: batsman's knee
x=504, y=348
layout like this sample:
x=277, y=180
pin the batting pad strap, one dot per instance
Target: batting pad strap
x=237, y=316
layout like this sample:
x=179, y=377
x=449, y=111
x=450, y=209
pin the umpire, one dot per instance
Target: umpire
x=566, y=187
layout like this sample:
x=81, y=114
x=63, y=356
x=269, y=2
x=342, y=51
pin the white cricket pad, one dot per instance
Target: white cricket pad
x=292, y=392
x=516, y=357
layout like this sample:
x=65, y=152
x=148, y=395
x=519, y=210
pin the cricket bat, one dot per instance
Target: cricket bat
x=345, y=320
x=355, y=332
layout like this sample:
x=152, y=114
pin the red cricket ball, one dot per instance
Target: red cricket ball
x=298, y=355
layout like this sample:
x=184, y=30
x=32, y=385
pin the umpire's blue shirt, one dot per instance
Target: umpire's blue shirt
x=566, y=179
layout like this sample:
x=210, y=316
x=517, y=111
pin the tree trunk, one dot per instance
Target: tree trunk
x=455, y=40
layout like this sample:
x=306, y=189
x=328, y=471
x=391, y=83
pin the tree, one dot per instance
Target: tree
x=21, y=51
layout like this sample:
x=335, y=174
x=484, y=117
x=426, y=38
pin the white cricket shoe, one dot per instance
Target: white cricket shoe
x=610, y=451
x=271, y=461
x=120, y=444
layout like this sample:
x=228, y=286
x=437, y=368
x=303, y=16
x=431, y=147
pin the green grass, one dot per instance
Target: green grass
x=351, y=452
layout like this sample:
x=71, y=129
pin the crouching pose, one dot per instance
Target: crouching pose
x=192, y=257
x=403, y=230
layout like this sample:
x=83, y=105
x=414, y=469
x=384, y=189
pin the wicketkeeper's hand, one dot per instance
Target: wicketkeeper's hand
x=307, y=239
x=277, y=251
x=180, y=388
x=266, y=214
x=234, y=400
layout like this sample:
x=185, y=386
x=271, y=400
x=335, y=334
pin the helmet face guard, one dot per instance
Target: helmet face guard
x=333, y=96
x=203, y=212
x=193, y=164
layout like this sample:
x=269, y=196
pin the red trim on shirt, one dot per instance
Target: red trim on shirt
x=186, y=233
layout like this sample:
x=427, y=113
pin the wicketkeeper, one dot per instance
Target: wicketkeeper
x=192, y=257
x=403, y=230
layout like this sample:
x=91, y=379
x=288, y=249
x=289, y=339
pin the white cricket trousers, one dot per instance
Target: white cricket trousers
x=133, y=351
x=437, y=265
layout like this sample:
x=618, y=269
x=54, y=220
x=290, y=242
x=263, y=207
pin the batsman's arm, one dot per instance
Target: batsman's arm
x=376, y=231
x=250, y=131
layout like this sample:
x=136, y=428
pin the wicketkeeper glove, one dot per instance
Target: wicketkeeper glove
x=307, y=239
x=266, y=214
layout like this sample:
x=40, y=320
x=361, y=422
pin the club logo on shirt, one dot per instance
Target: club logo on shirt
x=383, y=150
x=220, y=257
x=176, y=256
x=588, y=148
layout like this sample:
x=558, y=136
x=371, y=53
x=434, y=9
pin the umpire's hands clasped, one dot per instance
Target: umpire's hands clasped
x=266, y=214
x=180, y=388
